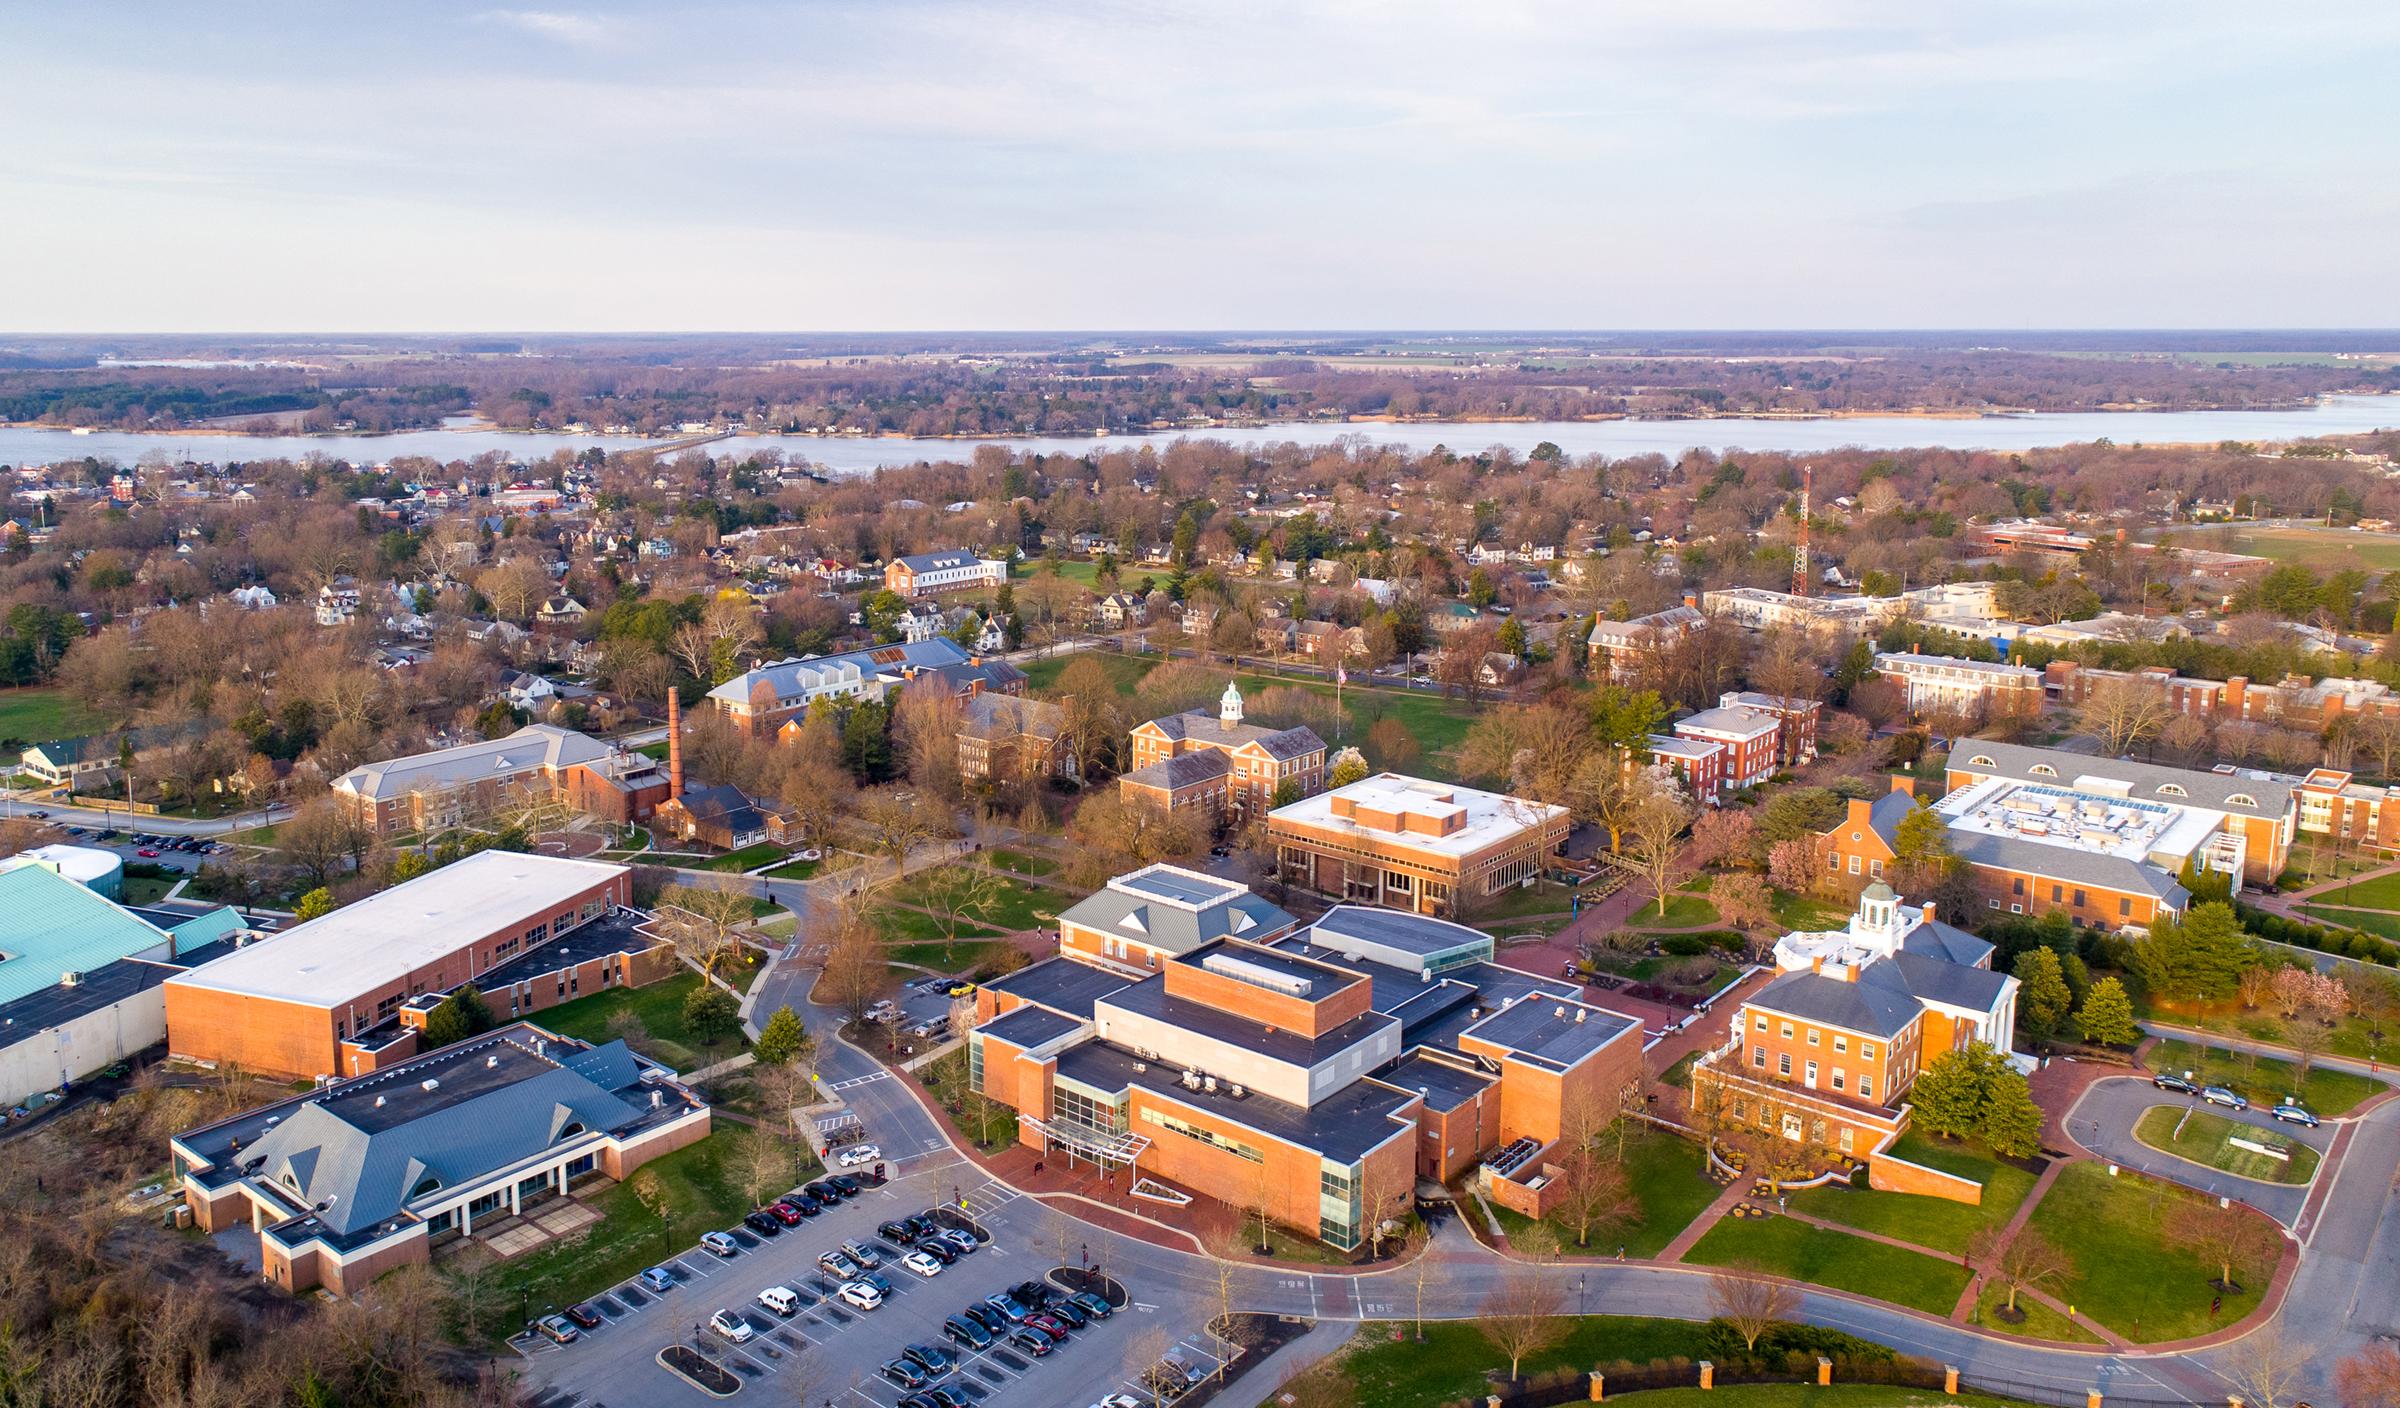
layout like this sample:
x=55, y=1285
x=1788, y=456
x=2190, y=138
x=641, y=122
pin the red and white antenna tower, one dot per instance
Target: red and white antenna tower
x=1800, y=550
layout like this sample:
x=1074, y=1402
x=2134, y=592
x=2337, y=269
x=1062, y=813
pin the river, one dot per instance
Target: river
x=2336, y=415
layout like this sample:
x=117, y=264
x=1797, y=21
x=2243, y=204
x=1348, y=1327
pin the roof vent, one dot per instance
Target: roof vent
x=378, y=1102
x=70, y=979
x=1559, y=1012
x=1140, y=1066
x=1580, y=1014
x=429, y=1084
x=656, y=1096
x=491, y=1062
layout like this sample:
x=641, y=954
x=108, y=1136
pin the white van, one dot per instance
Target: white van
x=781, y=1300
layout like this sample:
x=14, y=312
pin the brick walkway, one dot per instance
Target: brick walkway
x=1698, y=1227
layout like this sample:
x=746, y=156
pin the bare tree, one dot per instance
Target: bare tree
x=762, y=1163
x=1385, y=1189
x=958, y=896
x=1750, y=1302
x=1223, y=1244
x=1521, y=1316
x=2027, y=1261
x=2124, y=712
x=2239, y=1241
x=2370, y=1378
x=854, y=975
x=1656, y=837
x=2270, y=1368
x=705, y=924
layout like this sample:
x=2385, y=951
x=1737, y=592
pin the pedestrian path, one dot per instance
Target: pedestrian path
x=1698, y=1226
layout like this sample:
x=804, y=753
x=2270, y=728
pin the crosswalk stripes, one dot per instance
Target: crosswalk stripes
x=859, y=1080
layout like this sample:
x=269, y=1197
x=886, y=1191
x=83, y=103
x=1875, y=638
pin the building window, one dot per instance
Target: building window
x=1875, y=868
x=1787, y=1031
x=1784, y=1064
x=1758, y=1021
x=1758, y=1057
x=2124, y=908
x=1866, y=1086
x=1204, y=1136
x=1837, y=1077
x=1841, y=1043
x=2043, y=770
x=1867, y=1049
x=1854, y=865
x=2079, y=897
x=1813, y=1036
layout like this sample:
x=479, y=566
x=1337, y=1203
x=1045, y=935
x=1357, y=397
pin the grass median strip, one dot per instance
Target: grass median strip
x=2226, y=1145
x=1787, y=1247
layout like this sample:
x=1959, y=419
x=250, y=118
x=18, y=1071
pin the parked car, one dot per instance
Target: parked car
x=1095, y=1306
x=939, y=1249
x=1117, y=1400
x=2219, y=1095
x=824, y=1192
x=585, y=1316
x=942, y=1397
x=966, y=1333
x=655, y=1278
x=2294, y=1114
x=1033, y=1295
x=719, y=1244
x=932, y=1358
x=1048, y=1324
x=1074, y=1315
x=1032, y=1342
x=785, y=1213
x=733, y=1327
x=764, y=1223
x=555, y=1329
x=858, y=1154
x=992, y=1321
x=860, y=1294
x=960, y=1240
x=850, y=1183
x=861, y=1253
x=147, y=853
x=782, y=1300
x=903, y=1373
x=898, y=1233
x=808, y=1203
x=922, y=1264
x=1007, y=1305
x=836, y=1264
x=2165, y=1080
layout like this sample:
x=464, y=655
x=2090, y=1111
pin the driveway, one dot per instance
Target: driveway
x=2104, y=1116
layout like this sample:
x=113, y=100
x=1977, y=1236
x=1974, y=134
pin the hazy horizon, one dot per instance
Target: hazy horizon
x=462, y=169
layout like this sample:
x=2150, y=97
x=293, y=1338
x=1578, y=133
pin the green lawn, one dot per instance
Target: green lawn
x=1669, y=1179
x=2325, y=549
x=40, y=715
x=1124, y=671
x=1013, y=904
x=1542, y=897
x=2382, y=892
x=700, y=1198
x=1071, y=569
x=732, y=862
x=797, y=870
x=1834, y=1259
x=656, y=752
x=2040, y=1321
x=2130, y=1275
x=660, y=1008
x=988, y=1123
x=2208, y=1140
x=146, y=889
x=2264, y=1080
x=1796, y=911
x=1452, y=1360
x=1683, y=912
x=894, y=925
x=1938, y=1223
x=1022, y=862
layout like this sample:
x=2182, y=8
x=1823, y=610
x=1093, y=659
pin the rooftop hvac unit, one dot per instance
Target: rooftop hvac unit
x=1209, y=1084
x=429, y=1084
x=491, y=1062
x=1580, y=1014
x=70, y=979
x=378, y=1102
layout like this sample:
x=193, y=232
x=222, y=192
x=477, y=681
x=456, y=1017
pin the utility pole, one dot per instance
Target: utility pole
x=1808, y=478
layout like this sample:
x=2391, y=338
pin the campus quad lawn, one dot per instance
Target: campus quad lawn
x=1541, y=897
x=894, y=925
x=1020, y=862
x=1683, y=912
x=2349, y=1038
x=1453, y=1358
x=1124, y=671
x=1013, y=904
x=2128, y=1268
x=747, y=858
x=700, y=1196
x=1835, y=1259
x=1938, y=1223
x=2382, y=892
x=1666, y=1176
x=944, y=958
x=2325, y=1092
x=2385, y=926
x=660, y=1006
x=2207, y=1141
x=1082, y=572
x=40, y=715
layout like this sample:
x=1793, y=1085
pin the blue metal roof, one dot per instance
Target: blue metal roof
x=51, y=926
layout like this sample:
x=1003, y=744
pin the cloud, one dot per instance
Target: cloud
x=560, y=26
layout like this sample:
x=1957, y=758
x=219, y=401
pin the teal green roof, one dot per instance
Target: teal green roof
x=50, y=925
x=207, y=928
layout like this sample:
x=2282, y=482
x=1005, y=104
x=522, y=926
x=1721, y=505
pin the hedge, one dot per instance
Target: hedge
x=2350, y=943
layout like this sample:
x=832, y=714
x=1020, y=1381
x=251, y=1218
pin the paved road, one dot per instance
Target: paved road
x=20, y=803
x=2103, y=1118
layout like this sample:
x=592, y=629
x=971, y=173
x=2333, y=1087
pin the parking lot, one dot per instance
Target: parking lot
x=829, y=1351
x=167, y=852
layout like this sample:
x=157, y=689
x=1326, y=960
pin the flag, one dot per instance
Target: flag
x=1340, y=675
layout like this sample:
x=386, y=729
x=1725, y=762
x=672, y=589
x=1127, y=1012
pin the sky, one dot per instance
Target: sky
x=1354, y=164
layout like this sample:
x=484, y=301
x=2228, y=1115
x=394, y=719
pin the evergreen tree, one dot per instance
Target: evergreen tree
x=2107, y=1015
x=2043, y=999
x=2200, y=959
x=1950, y=1094
x=2012, y=1123
x=711, y=1014
x=866, y=742
x=779, y=1041
x=473, y=1012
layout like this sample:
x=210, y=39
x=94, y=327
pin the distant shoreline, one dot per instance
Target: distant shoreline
x=671, y=439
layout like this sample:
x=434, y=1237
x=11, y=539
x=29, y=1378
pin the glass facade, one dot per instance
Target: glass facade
x=1211, y=1138
x=1338, y=1211
x=1075, y=1106
x=975, y=1061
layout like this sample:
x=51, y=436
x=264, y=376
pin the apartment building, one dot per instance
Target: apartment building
x=1796, y=735
x=370, y=1174
x=348, y=993
x=2295, y=702
x=1319, y=1074
x=1619, y=650
x=449, y=787
x=1408, y=843
x=1220, y=763
x=1976, y=689
x=937, y=573
x=1826, y=1053
x=1004, y=737
x=763, y=699
x=1748, y=740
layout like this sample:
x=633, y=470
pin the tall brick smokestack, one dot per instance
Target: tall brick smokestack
x=674, y=743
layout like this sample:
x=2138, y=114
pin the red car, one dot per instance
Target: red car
x=785, y=1213
x=147, y=853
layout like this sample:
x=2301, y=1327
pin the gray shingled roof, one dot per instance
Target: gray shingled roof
x=1877, y=1003
x=1952, y=984
x=1005, y=716
x=1202, y=726
x=1182, y=770
x=2214, y=790
x=2076, y=867
x=1939, y=940
x=1172, y=927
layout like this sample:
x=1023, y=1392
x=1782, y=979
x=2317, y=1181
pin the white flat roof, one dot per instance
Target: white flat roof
x=383, y=938
x=1489, y=817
